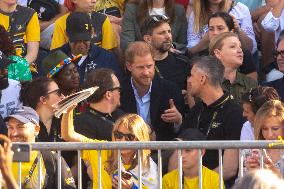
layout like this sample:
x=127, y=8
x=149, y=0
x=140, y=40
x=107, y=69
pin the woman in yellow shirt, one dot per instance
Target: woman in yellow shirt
x=130, y=127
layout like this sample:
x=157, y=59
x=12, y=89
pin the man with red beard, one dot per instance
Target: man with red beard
x=23, y=126
x=170, y=65
x=158, y=101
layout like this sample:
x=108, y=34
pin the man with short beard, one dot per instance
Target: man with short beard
x=156, y=31
x=9, y=89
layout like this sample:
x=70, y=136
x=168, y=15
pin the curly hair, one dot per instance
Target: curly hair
x=6, y=43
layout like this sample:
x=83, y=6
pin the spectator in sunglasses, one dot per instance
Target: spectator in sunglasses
x=279, y=55
x=41, y=94
x=130, y=127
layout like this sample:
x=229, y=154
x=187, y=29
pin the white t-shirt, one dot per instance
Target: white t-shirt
x=25, y=2
x=10, y=98
x=247, y=132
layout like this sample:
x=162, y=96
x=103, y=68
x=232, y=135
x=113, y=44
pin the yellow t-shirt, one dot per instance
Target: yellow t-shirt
x=32, y=33
x=210, y=180
x=92, y=157
x=59, y=37
x=25, y=171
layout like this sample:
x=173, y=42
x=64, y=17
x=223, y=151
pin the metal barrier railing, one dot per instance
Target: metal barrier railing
x=153, y=145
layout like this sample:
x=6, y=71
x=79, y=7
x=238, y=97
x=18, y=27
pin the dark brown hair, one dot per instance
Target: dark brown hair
x=145, y=5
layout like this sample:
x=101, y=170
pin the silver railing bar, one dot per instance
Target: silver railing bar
x=139, y=169
x=59, y=169
x=200, y=169
x=160, y=169
x=39, y=169
x=220, y=169
x=100, y=169
x=79, y=170
x=166, y=145
x=180, y=172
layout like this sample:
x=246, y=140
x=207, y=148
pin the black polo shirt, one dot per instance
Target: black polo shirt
x=96, y=125
x=222, y=120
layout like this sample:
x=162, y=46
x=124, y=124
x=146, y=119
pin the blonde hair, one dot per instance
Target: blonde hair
x=202, y=13
x=272, y=108
x=217, y=42
x=140, y=129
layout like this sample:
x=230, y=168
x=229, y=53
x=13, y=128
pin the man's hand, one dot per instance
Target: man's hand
x=6, y=156
x=172, y=115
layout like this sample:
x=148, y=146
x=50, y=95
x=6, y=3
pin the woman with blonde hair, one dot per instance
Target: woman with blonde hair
x=197, y=32
x=130, y=127
x=227, y=48
x=269, y=125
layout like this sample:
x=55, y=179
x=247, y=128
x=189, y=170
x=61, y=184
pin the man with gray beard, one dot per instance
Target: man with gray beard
x=170, y=65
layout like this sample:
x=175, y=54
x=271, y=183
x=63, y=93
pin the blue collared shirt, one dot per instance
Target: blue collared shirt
x=143, y=104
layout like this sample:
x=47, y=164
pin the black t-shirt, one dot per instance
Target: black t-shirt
x=96, y=125
x=226, y=125
x=248, y=65
x=174, y=68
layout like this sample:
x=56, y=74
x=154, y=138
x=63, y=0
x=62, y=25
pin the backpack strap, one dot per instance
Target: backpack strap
x=50, y=166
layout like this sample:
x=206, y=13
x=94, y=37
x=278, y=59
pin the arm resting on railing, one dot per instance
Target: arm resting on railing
x=230, y=163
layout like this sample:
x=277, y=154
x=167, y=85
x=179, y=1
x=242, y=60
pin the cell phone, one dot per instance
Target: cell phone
x=126, y=175
x=21, y=152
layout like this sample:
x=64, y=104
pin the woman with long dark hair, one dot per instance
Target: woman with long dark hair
x=136, y=13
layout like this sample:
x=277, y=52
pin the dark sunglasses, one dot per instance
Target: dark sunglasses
x=276, y=53
x=156, y=18
x=57, y=91
x=120, y=135
x=115, y=88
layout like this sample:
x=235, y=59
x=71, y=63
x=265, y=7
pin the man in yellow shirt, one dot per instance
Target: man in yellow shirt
x=23, y=25
x=103, y=35
x=190, y=179
x=23, y=126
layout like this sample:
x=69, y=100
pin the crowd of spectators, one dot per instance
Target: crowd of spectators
x=167, y=70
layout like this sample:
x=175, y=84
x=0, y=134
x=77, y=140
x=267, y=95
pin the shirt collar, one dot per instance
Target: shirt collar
x=135, y=90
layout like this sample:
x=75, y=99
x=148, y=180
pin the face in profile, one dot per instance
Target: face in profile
x=194, y=81
x=248, y=113
x=280, y=56
x=231, y=53
x=52, y=97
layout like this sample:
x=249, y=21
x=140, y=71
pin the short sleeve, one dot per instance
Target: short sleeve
x=109, y=39
x=33, y=29
x=59, y=37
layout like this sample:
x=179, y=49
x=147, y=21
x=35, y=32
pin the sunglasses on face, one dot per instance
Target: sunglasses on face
x=277, y=53
x=120, y=135
x=58, y=92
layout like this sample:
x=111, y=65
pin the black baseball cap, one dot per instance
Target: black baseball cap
x=79, y=27
x=4, y=61
x=191, y=134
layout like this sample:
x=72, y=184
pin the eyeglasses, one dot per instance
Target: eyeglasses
x=276, y=53
x=115, y=88
x=120, y=135
x=57, y=91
